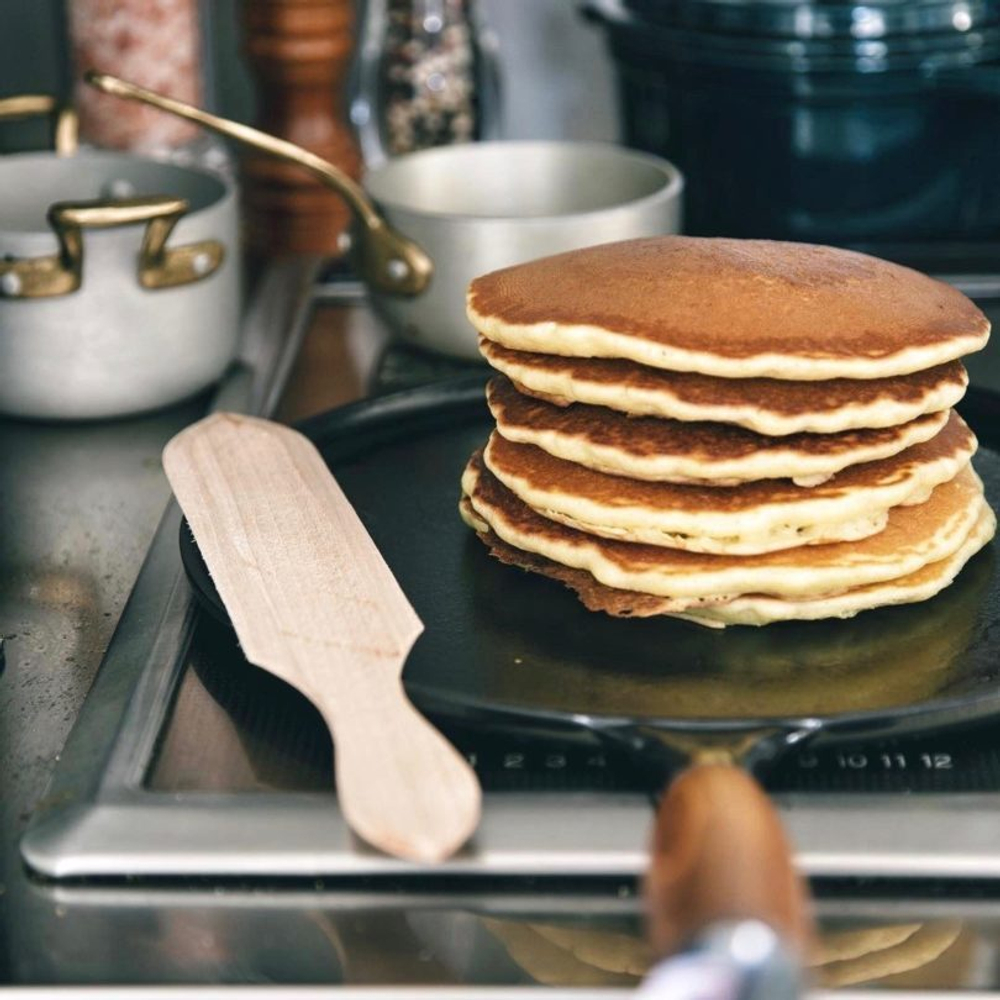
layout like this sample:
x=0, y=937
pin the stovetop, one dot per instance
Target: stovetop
x=186, y=761
x=178, y=840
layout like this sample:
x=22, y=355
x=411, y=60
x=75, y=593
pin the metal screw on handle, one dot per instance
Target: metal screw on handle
x=397, y=269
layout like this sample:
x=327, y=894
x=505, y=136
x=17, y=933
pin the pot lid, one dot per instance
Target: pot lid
x=801, y=19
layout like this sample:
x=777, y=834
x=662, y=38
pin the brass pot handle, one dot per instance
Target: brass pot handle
x=66, y=127
x=158, y=266
x=386, y=259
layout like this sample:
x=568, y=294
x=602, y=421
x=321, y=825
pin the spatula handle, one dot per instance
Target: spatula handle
x=413, y=796
x=720, y=854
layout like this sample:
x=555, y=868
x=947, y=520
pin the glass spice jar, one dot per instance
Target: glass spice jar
x=158, y=44
x=426, y=75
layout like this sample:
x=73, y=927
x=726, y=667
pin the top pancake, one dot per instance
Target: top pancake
x=730, y=308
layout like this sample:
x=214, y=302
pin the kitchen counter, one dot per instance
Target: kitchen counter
x=79, y=505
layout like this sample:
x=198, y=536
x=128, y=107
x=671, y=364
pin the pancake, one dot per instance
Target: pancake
x=730, y=308
x=653, y=449
x=742, y=520
x=767, y=406
x=753, y=609
x=913, y=538
x=756, y=609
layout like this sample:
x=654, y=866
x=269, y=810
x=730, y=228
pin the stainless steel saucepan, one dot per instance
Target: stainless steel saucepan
x=119, y=284
x=467, y=210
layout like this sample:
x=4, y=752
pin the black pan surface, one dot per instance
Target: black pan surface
x=515, y=649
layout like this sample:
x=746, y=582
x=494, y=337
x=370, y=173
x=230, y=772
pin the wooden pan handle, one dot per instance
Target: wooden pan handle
x=720, y=854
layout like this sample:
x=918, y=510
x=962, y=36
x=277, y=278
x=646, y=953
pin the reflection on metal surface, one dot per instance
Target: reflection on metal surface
x=158, y=265
x=463, y=935
x=936, y=954
x=932, y=955
x=555, y=955
x=78, y=506
x=66, y=124
x=234, y=727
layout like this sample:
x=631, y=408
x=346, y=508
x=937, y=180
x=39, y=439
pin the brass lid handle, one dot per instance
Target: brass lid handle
x=159, y=266
x=29, y=105
x=386, y=259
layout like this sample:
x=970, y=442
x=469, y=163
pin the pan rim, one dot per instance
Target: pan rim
x=670, y=188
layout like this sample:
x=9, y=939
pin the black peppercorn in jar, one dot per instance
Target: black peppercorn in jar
x=425, y=77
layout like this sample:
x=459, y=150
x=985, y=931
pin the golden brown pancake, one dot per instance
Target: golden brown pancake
x=751, y=609
x=766, y=405
x=760, y=609
x=913, y=537
x=732, y=308
x=650, y=448
x=752, y=518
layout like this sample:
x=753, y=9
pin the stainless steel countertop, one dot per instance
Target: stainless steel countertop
x=78, y=507
x=79, y=504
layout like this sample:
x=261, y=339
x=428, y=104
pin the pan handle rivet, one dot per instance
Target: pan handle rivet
x=397, y=269
x=201, y=264
x=118, y=187
x=11, y=284
x=344, y=242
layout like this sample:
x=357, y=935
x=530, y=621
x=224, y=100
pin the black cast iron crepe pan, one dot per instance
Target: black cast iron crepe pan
x=509, y=649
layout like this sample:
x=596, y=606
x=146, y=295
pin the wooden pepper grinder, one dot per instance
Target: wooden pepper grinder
x=299, y=52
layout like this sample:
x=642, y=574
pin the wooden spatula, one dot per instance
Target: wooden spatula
x=313, y=602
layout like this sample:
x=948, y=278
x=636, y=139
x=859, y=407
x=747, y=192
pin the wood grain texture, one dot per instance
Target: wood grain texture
x=720, y=853
x=313, y=602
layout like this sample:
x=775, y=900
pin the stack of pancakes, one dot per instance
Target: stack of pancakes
x=729, y=431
